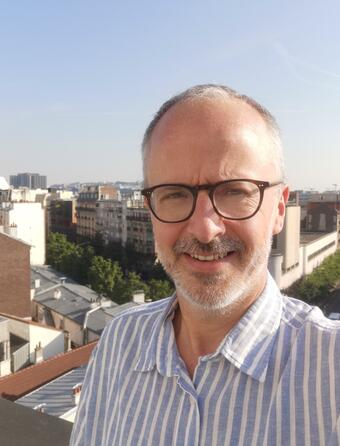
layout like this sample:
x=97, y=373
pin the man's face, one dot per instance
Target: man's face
x=206, y=141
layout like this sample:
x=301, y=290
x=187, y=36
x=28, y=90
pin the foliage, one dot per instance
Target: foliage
x=315, y=287
x=104, y=275
x=158, y=289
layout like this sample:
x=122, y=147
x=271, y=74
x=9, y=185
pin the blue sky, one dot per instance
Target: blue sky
x=80, y=80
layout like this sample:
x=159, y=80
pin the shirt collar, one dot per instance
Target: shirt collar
x=247, y=346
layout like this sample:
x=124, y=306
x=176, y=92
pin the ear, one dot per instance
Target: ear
x=281, y=210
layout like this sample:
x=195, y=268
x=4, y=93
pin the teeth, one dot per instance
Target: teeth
x=208, y=258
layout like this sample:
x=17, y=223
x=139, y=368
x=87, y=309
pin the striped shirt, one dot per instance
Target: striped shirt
x=274, y=380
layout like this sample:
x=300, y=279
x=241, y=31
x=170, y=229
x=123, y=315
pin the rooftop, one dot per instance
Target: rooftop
x=308, y=237
x=56, y=395
x=74, y=300
x=18, y=384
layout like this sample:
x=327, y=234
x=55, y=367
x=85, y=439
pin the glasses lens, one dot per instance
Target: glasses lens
x=237, y=199
x=171, y=203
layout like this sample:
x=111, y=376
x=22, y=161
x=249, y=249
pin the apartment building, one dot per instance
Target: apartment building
x=111, y=220
x=87, y=205
x=62, y=217
x=30, y=180
x=26, y=221
x=139, y=228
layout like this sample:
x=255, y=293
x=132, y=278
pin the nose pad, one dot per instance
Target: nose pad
x=205, y=224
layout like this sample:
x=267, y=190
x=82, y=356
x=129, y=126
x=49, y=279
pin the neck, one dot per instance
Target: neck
x=199, y=332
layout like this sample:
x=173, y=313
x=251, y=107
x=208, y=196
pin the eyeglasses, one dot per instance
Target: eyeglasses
x=233, y=199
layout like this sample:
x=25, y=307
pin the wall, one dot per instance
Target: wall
x=14, y=277
x=60, y=322
x=29, y=220
x=312, y=258
x=311, y=255
x=52, y=341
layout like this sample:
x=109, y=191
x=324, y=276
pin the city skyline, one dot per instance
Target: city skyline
x=79, y=82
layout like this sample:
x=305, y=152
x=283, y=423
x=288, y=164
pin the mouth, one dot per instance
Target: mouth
x=210, y=257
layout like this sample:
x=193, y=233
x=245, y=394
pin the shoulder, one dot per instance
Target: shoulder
x=134, y=325
x=146, y=312
x=306, y=318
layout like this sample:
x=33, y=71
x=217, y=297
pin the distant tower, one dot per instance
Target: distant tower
x=30, y=180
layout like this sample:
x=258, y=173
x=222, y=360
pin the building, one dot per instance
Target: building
x=5, y=191
x=59, y=397
x=111, y=221
x=26, y=221
x=21, y=383
x=30, y=180
x=323, y=216
x=64, y=304
x=62, y=217
x=5, y=355
x=86, y=208
x=139, y=229
x=295, y=253
x=14, y=276
x=24, y=342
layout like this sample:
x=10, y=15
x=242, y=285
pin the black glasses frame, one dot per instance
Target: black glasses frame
x=262, y=186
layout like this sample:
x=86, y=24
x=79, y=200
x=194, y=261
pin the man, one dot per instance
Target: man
x=227, y=360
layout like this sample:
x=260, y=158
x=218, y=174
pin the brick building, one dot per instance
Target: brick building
x=14, y=276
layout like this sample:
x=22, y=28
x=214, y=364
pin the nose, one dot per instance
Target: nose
x=205, y=224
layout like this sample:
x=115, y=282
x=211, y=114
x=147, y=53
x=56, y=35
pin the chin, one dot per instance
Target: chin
x=216, y=294
x=223, y=291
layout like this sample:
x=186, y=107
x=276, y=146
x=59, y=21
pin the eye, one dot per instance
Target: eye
x=173, y=195
x=169, y=194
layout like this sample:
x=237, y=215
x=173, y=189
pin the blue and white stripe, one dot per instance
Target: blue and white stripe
x=274, y=380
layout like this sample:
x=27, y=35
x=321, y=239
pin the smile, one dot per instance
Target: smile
x=208, y=258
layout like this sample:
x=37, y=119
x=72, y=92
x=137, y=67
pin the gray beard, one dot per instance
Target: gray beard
x=215, y=292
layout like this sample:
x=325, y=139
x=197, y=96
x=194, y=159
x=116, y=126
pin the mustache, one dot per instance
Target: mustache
x=220, y=246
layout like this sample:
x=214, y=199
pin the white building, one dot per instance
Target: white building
x=296, y=254
x=26, y=221
x=24, y=342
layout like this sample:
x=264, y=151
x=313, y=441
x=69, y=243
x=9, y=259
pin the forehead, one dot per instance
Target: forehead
x=208, y=140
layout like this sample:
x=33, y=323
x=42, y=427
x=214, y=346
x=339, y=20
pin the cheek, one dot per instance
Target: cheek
x=252, y=232
x=165, y=235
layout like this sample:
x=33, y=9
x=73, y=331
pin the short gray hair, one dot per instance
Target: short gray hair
x=212, y=91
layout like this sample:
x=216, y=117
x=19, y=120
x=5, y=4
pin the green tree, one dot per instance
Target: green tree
x=316, y=287
x=126, y=286
x=158, y=289
x=103, y=275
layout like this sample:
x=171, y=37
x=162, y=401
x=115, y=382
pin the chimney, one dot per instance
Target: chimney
x=38, y=354
x=67, y=341
x=13, y=230
x=57, y=294
x=138, y=297
x=40, y=407
x=76, y=391
x=63, y=280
